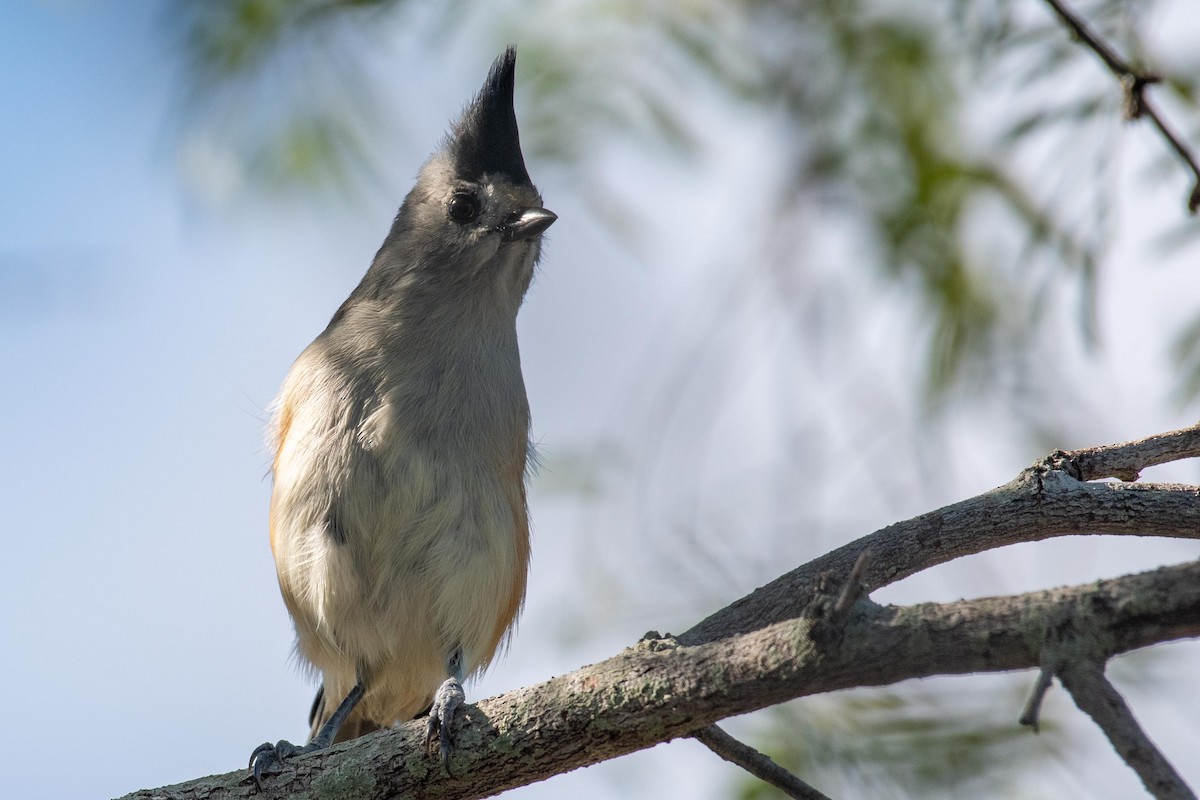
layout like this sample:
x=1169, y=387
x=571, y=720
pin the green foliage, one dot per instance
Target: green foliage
x=905, y=741
x=871, y=98
x=277, y=88
x=231, y=39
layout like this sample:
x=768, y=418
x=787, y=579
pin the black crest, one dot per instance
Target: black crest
x=485, y=139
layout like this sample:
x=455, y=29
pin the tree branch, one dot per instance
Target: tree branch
x=784, y=641
x=1137, y=102
x=1097, y=698
x=1127, y=459
x=1045, y=501
x=660, y=690
x=754, y=762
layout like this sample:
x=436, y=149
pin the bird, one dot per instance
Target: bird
x=398, y=517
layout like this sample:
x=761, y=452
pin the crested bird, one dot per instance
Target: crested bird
x=398, y=519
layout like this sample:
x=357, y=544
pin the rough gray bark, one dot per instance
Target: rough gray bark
x=1041, y=503
x=1100, y=700
x=784, y=641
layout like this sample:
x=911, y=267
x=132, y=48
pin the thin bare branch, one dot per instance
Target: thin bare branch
x=1135, y=83
x=1096, y=697
x=1042, y=502
x=1127, y=459
x=754, y=762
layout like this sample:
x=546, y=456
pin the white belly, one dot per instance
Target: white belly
x=424, y=552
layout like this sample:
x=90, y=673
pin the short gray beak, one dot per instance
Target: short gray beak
x=532, y=222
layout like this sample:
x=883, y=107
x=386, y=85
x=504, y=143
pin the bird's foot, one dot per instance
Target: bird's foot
x=269, y=757
x=449, y=697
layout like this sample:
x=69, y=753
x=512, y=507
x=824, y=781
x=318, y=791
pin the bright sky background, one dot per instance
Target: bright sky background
x=144, y=339
x=142, y=638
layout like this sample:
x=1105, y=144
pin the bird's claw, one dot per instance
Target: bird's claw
x=440, y=727
x=269, y=757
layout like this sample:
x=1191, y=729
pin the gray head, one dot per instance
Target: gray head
x=471, y=227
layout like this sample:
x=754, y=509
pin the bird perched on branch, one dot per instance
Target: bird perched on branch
x=398, y=517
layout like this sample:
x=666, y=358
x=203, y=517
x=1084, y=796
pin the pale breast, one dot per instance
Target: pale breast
x=398, y=520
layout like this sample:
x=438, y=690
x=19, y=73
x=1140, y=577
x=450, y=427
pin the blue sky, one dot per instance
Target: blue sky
x=144, y=335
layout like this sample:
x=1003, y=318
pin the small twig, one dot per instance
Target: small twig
x=1033, y=707
x=1097, y=698
x=754, y=762
x=852, y=589
x=830, y=612
x=1126, y=460
x=1137, y=103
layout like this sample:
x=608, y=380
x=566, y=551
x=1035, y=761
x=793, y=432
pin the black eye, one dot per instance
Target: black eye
x=464, y=207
